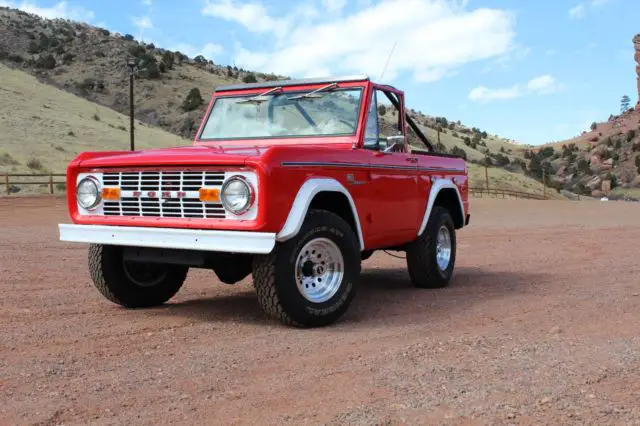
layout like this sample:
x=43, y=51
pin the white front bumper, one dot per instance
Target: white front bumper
x=173, y=238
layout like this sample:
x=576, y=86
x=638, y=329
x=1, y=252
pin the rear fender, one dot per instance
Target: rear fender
x=436, y=188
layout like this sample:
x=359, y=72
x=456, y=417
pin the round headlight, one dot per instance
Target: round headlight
x=237, y=195
x=88, y=193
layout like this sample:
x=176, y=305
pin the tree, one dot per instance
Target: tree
x=624, y=104
x=249, y=78
x=193, y=100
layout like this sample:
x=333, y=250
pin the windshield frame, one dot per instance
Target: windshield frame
x=288, y=92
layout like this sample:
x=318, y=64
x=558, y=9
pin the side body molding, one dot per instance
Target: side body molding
x=302, y=201
x=438, y=186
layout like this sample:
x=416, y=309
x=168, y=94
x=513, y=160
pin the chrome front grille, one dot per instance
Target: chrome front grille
x=163, y=180
x=170, y=194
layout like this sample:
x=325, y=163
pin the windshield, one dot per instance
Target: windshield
x=284, y=114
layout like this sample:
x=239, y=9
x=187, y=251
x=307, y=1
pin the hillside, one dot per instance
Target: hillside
x=171, y=92
x=42, y=128
x=603, y=161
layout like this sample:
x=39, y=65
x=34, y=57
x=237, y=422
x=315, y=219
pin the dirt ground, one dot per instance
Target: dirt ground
x=541, y=325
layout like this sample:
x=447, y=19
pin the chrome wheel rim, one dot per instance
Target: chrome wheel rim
x=319, y=270
x=443, y=248
x=144, y=274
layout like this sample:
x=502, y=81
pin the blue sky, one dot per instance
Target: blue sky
x=533, y=71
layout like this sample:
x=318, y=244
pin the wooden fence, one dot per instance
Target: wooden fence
x=504, y=193
x=40, y=179
x=49, y=180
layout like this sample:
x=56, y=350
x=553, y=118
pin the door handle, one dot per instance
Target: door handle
x=412, y=159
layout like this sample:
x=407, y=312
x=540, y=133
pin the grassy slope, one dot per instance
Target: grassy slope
x=36, y=120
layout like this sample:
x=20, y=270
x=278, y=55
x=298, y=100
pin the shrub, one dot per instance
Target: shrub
x=168, y=58
x=459, y=152
x=47, y=62
x=594, y=125
x=15, y=58
x=34, y=164
x=71, y=133
x=631, y=134
x=7, y=160
x=128, y=37
x=193, y=100
x=382, y=110
x=68, y=58
x=250, y=78
x=618, y=144
x=96, y=117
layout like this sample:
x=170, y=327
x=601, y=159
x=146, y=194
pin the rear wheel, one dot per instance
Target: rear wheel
x=133, y=284
x=309, y=280
x=431, y=258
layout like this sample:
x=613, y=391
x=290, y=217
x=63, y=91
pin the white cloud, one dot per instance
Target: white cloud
x=579, y=11
x=59, y=10
x=252, y=15
x=334, y=5
x=147, y=2
x=433, y=37
x=542, y=85
x=142, y=22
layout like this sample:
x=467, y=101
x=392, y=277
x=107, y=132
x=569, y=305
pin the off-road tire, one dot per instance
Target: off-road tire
x=107, y=271
x=421, y=254
x=274, y=274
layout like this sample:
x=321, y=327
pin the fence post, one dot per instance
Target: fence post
x=51, y=183
x=6, y=180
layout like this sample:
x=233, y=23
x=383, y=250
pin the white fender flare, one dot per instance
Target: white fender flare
x=302, y=201
x=438, y=186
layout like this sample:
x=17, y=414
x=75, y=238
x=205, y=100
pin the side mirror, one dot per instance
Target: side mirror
x=395, y=142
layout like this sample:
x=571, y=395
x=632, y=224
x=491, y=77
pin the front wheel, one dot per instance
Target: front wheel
x=309, y=280
x=431, y=258
x=133, y=284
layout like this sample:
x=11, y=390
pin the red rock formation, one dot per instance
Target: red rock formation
x=636, y=44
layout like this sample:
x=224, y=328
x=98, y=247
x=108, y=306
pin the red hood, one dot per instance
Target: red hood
x=179, y=156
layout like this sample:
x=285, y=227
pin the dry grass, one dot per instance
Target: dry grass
x=503, y=179
x=39, y=123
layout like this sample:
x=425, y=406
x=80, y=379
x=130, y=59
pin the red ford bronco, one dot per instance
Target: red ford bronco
x=294, y=182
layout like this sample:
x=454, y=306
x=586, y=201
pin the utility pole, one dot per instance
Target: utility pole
x=486, y=171
x=131, y=63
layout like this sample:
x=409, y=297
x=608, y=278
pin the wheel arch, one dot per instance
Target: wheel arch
x=446, y=194
x=324, y=193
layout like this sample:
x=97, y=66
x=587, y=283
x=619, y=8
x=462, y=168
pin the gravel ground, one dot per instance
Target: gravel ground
x=540, y=326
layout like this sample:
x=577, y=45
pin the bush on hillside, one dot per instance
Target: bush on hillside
x=459, y=152
x=193, y=100
x=47, y=62
x=250, y=78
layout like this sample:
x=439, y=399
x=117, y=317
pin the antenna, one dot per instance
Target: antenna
x=388, y=58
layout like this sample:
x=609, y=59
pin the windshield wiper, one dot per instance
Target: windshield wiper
x=262, y=97
x=314, y=94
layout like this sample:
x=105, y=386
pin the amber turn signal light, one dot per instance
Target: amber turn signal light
x=111, y=194
x=211, y=195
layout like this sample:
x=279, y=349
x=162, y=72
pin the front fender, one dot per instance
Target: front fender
x=303, y=199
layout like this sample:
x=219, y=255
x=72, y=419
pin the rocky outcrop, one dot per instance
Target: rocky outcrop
x=636, y=44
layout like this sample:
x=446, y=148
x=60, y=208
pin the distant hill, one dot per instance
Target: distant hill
x=603, y=161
